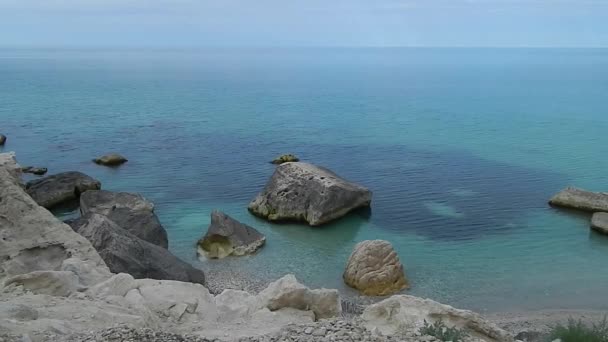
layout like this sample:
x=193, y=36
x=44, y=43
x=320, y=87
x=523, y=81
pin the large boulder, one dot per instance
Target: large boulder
x=287, y=292
x=374, y=269
x=408, y=313
x=60, y=188
x=227, y=236
x=131, y=212
x=581, y=199
x=599, y=222
x=305, y=192
x=124, y=252
x=112, y=159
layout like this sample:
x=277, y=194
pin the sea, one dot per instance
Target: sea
x=462, y=148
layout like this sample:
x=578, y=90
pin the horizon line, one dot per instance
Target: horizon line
x=178, y=47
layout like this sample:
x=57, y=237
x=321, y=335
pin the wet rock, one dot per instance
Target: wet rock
x=124, y=252
x=305, y=192
x=60, y=188
x=112, y=159
x=374, y=269
x=39, y=171
x=226, y=236
x=2, y=139
x=131, y=212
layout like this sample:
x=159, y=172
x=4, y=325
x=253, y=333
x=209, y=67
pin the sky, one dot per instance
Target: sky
x=201, y=23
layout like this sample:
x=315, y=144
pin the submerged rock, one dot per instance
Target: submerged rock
x=285, y=159
x=581, y=199
x=60, y=188
x=227, y=236
x=2, y=139
x=305, y=192
x=124, y=252
x=407, y=313
x=374, y=269
x=599, y=222
x=129, y=211
x=39, y=171
x=112, y=159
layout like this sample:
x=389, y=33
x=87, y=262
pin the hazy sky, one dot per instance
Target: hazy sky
x=304, y=22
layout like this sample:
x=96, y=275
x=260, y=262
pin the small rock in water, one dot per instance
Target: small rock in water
x=112, y=159
x=285, y=159
x=39, y=171
x=2, y=139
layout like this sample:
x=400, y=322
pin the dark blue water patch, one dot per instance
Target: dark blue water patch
x=449, y=195
x=446, y=195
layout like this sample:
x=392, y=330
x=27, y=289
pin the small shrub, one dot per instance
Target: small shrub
x=443, y=332
x=577, y=331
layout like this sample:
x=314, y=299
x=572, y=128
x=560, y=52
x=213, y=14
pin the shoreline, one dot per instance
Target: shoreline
x=513, y=321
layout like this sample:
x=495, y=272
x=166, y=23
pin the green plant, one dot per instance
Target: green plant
x=577, y=331
x=443, y=332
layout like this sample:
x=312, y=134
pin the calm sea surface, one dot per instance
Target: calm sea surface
x=461, y=147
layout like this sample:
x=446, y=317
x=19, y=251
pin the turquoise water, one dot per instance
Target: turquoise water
x=462, y=148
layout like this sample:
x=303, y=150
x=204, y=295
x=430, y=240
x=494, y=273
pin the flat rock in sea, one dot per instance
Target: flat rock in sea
x=227, y=236
x=305, y=192
x=124, y=252
x=60, y=188
x=39, y=171
x=580, y=199
x=599, y=222
x=129, y=211
x=112, y=159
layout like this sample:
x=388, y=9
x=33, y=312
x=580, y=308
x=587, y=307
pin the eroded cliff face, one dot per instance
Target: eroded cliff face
x=32, y=239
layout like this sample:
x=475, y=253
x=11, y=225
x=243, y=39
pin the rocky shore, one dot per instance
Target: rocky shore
x=84, y=283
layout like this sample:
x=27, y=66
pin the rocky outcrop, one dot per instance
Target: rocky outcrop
x=285, y=158
x=112, y=159
x=287, y=292
x=9, y=163
x=599, y=222
x=38, y=171
x=32, y=239
x=124, y=252
x=305, y=192
x=131, y=212
x=60, y=188
x=401, y=313
x=227, y=236
x=2, y=139
x=580, y=199
x=374, y=269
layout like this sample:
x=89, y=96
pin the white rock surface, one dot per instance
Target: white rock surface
x=402, y=313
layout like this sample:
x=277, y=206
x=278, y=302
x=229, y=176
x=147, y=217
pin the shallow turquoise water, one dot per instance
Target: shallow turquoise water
x=462, y=148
